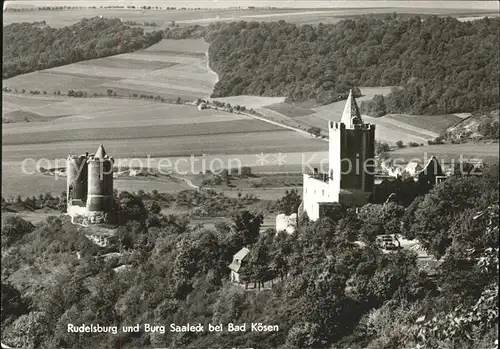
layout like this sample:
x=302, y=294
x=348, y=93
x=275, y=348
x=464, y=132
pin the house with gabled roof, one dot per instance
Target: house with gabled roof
x=238, y=264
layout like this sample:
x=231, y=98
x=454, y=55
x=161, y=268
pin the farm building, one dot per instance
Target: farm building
x=237, y=266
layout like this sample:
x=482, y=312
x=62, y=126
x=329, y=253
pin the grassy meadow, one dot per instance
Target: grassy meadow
x=49, y=126
x=487, y=152
x=169, y=69
x=389, y=128
x=129, y=128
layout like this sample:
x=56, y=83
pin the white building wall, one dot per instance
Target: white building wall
x=314, y=192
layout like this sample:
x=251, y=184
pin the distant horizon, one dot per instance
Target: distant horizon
x=479, y=5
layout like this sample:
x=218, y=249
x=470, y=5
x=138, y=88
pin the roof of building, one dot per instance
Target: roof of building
x=351, y=115
x=382, y=180
x=237, y=258
x=100, y=153
x=438, y=171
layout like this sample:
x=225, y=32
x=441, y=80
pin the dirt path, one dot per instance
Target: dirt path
x=302, y=132
x=210, y=69
x=187, y=181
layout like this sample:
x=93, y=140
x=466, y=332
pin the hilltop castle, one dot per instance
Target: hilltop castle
x=351, y=154
x=90, y=187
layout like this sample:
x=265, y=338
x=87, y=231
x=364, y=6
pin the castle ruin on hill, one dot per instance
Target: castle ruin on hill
x=90, y=188
x=351, y=179
x=351, y=155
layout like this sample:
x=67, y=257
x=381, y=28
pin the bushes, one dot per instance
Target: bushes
x=315, y=131
x=13, y=228
x=376, y=107
x=333, y=292
x=381, y=147
x=437, y=141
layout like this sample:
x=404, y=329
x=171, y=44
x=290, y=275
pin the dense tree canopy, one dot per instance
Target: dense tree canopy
x=28, y=47
x=330, y=293
x=443, y=65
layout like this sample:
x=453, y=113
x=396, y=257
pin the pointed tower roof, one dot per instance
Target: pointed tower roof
x=351, y=115
x=100, y=153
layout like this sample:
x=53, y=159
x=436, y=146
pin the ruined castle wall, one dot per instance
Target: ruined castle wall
x=76, y=178
x=100, y=185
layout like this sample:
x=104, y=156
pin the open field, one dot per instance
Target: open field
x=22, y=116
x=170, y=69
x=187, y=145
x=110, y=62
x=250, y=101
x=163, y=18
x=166, y=130
x=19, y=101
x=290, y=110
x=434, y=123
x=267, y=152
x=16, y=182
x=310, y=115
x=121, y=116
x=139, y=132
x=192, y=47
x=446, y=153
x=81, y=107
x=338, y=107
x=389, y=128
x=254, y=182
x=271, y=155
x=51, y=81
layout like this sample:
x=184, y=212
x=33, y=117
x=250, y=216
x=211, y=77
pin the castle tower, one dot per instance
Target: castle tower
x=100, y=200
x=350, y=177
x=351, y=156
x=76, y=180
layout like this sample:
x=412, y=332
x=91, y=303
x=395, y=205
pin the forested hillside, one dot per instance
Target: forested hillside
x=333, y=294
x=443, y=65
x=28, y=47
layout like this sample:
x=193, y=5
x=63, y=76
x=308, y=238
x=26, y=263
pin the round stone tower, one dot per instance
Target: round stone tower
x=76, y=188
x=100, y=201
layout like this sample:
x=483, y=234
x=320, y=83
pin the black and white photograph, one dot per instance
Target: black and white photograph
x=267, y=174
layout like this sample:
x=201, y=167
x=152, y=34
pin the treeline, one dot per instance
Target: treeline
x=60, y=8
x=333, y=293
x=41, y=8
x=146, y=24
x=34, y=203
x=27, y=47
x=443, y=65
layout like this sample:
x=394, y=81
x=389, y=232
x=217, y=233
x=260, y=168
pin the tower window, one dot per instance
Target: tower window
x=323, y=192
